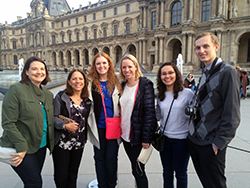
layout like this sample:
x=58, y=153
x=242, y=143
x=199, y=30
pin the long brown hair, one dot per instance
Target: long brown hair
x=25, y=79
x=161, y=87
x=69, y=90
x=112, y=78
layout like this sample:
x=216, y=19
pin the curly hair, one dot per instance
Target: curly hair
x=69, y=90
x=112, y=78
x=161, y=87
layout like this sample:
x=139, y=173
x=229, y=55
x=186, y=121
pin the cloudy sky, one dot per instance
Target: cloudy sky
x=10, y=9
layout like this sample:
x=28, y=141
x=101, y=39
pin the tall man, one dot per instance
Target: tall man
x=217, y=116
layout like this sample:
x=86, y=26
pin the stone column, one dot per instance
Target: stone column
x=220, y=8
x=162, y=13
x=233, y=52
x=220, y=43
x=140, y=52
x=185, y=11
x=91, y=57
x=81, y=57
x=183, y=50
x=191, y=10
x=38, y=38
x=157, y=12
x=144, y=52
x=168, y=18
x=213, y=5
x=31, y=39
x=145, y=17
x=156, y=51
x=161, y=50
x=58, y=63
x=141, y=17
x=72, y=59
x=189, y=49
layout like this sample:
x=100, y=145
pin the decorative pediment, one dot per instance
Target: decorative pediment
x=104, y=24
x=94, y=26
x=85, y=28
x=69, y=31
x=115, y=22
x=127, y=19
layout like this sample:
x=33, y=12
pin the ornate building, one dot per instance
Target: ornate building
x=155, y=31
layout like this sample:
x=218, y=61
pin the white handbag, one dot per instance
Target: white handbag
x=5, y=154
x=145, y=154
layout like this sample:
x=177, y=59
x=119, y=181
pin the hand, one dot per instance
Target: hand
x=145, y=145
x=18, y=159
x=71, y=127
x=215, y=149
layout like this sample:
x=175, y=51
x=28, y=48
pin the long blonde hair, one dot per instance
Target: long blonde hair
x=112, y=78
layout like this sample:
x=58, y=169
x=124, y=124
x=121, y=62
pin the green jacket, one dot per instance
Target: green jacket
x=22, y=117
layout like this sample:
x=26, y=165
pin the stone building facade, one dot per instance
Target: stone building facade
x=155, y=31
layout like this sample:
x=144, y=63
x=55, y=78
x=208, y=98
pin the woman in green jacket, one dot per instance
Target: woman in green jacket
x=28, y=122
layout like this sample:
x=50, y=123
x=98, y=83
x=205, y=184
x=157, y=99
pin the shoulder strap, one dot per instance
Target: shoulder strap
x=168, y=115
x=103, y=101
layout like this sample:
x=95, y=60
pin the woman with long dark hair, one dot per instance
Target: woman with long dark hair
x=28, y=123
x=175, y=155
x=70, y=137
x=103, y=81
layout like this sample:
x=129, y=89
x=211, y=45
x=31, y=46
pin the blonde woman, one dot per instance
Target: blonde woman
x=138, y=114
x=102, y=75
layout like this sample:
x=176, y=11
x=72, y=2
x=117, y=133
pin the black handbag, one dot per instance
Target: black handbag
x=158, y=138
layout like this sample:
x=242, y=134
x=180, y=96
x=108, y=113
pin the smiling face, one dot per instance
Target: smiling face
x=102, y=66
x=76, y=81
x=36, y=73
x=168, y=77
x=128, y=69
x=206, y=50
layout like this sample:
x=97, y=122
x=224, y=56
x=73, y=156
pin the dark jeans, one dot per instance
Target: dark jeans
x=30, y=169
x=106, y=161
x=66, y=165
x=174, y=158
x=138, y=172
x=209, y=167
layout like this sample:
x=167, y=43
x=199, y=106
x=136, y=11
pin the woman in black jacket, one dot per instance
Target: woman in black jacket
x=137, y=113
x=70, y=137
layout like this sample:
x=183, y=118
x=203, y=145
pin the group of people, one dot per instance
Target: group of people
x=33, y=121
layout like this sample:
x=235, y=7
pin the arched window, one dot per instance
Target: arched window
x=176, y=13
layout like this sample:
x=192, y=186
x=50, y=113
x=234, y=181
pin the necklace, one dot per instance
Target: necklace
x=77, y=99
x=104, y=88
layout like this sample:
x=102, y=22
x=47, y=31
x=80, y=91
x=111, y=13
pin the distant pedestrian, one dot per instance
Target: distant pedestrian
x=245, y=83
x=65, y=70
x=189, y=82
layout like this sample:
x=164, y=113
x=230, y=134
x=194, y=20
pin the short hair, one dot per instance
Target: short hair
x=69, y=90
x=161, y=87
x=24, y=77
x=132, y=58
x=213, y=37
